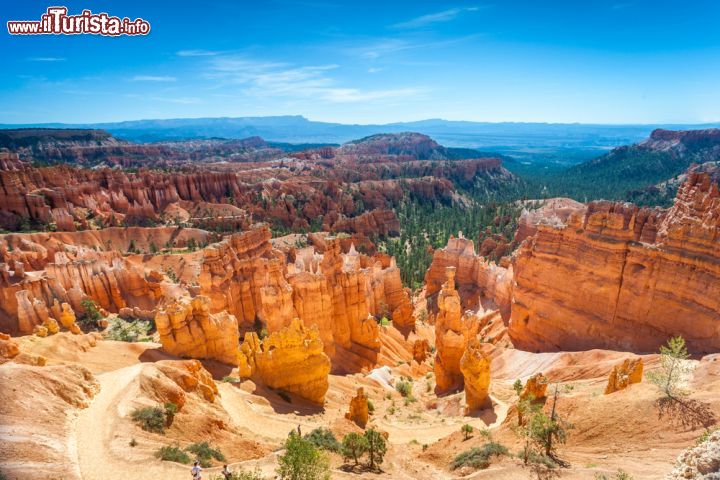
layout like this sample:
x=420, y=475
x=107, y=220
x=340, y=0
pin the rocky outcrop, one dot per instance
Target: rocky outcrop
x=625, y=373
x=475, y=368
x=421, y=347
x=535, y=387
x=701, y=462
x=8, y=348
x=481, y=285
x=358, y=412
x=291, y=360
x=622, y=277
x=170, y=380
x=453, y=331
x=551, y=212
x=188, y=329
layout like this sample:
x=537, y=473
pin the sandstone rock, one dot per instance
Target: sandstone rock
x=8, y=347
x=52, y=326
x=475, y=368
x=40, y=331
x=359, y=409
x=290, y=360
x=187, y=328
x=623, y=374
x=701, y=462
x=453, y=330
x=182, y=376
x=535, y=387
x=479, y=282
x=420, y=350
x=622, y=277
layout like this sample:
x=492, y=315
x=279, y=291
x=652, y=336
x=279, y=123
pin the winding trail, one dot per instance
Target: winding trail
x=95, y=434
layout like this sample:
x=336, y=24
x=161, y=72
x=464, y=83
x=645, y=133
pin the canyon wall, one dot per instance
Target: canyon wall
x=622, y=277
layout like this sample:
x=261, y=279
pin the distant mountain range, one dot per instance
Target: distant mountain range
x=501, y=137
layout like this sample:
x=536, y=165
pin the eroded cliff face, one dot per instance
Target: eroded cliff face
x=339, y=293
x=188, y=329
x=622, y=277
x=291, y=360
x=481, y=284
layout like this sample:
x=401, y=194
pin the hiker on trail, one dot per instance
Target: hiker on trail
x=226, y=472
x=196, y=471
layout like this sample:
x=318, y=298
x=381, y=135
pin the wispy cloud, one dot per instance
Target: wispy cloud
x=152, y=78
x=196, y=53
x=46, y=59
x=437, y=17
x=274, y=79
x=179, y=100
x=388, y=46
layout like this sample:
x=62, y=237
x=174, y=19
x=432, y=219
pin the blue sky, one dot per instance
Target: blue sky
x=586, y=61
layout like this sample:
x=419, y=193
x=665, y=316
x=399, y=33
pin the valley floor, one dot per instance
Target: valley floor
x=624, y=430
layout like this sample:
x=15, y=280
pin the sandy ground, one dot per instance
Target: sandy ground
x=623, y=430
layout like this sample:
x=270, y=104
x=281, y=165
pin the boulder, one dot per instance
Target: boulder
x=359, y=409
x=625, y=373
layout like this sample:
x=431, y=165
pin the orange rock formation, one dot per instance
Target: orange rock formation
x=291, y=360
x=453, y=330
x=188, y=329
x=359, y=409
x=622, y=277
x=535, y=387
x=625, y=373
x=475, y=368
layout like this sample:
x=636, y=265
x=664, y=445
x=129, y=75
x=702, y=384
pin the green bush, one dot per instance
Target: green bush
x=241, y=475
x=371, y=406
x=91, y=314
x=172, y=453
x=205, y=453
x=323, y=439
x=466, y=430
x=376, y=448
x=405, y=388
x=152, y=419
x=479, y=457
x=302, y=461
x=124, y=331
x=354, y=447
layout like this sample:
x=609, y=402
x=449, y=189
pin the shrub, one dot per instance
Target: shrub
x=170, y=410
x=323, y=439
x=371, y=406
x=466, y=430
x=91, y=315
x=673, y=368
x=620, y=475
x=172, y=453
x=405, y=388
x=241, y=475
x=152, y=419
x=205, y=453
x=124, y=331
x=302, y=461
x=133, y=442
x=376, y=448
x=479, y=457
x=354, y=447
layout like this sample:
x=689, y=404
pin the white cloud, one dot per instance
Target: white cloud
x=274, y=79
x=195, y=53
x=46, y=59
x=152, y=78
x=438, y=17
